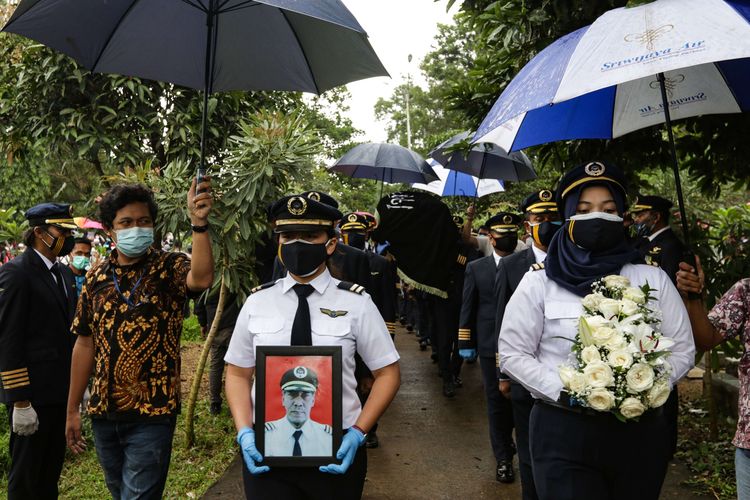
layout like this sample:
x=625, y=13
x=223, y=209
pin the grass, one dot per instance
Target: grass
x=191, y=472
x=711, y=463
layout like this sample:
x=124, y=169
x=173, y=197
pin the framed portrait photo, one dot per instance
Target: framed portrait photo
x=298, y=405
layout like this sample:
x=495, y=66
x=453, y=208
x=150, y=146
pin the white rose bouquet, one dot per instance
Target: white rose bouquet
x=618, y=362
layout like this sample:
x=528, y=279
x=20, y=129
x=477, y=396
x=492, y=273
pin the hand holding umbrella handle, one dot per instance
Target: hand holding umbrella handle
x=690, y=258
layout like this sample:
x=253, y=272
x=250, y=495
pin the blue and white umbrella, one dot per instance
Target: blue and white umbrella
x=453, y=183
x=688, y=57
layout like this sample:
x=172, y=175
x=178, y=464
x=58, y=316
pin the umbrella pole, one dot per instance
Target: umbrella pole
x=675, y=164
x=382, y=183
x=207, y=83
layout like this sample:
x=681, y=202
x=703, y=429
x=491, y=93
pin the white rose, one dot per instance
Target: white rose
x=616, y=281
x=577, y=383
x=566, y=374
x=634, y=294
x=598, y=374
x=628, y=307
x=610, y=308
x=601, y=399
x=640, y=377
x=632, y=407
x=592, y=300
x=620, y=359
x=616, y=342
x=597, y=322
x=590, y=354
x=658, y=394
x=603, y=335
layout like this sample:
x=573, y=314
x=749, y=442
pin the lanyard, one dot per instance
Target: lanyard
x=127, y=299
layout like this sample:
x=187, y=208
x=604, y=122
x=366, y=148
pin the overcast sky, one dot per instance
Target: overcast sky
x=396, y=29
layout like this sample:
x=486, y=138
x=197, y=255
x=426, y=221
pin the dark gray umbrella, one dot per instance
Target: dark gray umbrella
x=211, y=45
x=485, y=160
x=385, y=162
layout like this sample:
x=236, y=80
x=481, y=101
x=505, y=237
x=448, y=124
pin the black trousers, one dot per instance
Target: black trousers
x=578, y=456
x=216, y=369
x=307, y=483
x=444, y=330
x=522, y=403
x=37, y=460
x=499, y=412
x=671, y=410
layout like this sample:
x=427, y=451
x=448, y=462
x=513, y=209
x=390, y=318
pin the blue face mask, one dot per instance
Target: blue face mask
x=134, y=241
x=81, y=262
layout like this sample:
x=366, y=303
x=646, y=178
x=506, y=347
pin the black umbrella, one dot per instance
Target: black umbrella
x=385, y=162
x=484, y=160
x=210, y=45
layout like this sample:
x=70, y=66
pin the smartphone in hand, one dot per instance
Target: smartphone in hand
x=200, y=173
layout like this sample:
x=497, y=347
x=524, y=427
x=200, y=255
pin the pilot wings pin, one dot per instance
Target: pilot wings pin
x=333, y=314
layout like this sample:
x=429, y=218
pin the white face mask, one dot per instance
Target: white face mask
x=597, y=215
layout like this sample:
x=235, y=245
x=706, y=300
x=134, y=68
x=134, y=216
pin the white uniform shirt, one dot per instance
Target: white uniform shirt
x=540, y=312
x=316, y=439
x=267, y=317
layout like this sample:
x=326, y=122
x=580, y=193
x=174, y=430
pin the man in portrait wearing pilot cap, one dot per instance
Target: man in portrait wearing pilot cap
x=296, y=434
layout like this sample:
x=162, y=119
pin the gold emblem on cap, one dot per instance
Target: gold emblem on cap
x=507, y=219
x=545, y=195
x=314, y=196
x=297, y=205
x=352, y=218
x=594, y=169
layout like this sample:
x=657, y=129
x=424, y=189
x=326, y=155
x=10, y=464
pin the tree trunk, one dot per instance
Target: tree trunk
x=195, y=387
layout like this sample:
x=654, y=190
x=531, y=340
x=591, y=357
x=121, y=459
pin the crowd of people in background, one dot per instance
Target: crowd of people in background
x=505, y=293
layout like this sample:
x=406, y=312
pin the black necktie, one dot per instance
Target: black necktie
x=55, y=270
x=301, y=332
x=297, y=452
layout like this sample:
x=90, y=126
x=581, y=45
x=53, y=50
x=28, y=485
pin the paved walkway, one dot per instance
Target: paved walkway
x=433, y=447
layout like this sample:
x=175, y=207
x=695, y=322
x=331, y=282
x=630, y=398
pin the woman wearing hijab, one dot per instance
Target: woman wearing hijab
x=578, y=452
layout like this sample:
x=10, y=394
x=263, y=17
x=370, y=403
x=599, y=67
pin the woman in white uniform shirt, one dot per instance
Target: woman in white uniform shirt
x=576, y=452
x=269, y=317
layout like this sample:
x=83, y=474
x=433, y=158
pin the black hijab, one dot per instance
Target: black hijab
x=575, y=268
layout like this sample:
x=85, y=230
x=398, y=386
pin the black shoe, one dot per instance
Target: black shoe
x=402, y=320
x=449, y=389
x=504, y=472
x=458, y=382
x=434, y=357
x=215, y=408
x=470, y=361
x=422, y=345
x=371, y=441
x=409, y=328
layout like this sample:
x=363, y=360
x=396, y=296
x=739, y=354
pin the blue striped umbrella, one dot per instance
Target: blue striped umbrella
x=631, y=69
x=453, y=183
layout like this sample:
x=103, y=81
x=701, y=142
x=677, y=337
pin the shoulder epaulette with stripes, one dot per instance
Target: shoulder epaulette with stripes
x=263, y=286
x=352, y=287
x=327, y=429
x=270, y=426
x=537, y=267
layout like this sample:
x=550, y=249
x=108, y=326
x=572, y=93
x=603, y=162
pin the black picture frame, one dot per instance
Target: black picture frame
x=264, y=357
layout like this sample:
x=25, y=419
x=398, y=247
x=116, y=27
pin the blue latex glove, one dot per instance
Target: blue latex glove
x=353, y=439
x=468, y=354
x=246, y=439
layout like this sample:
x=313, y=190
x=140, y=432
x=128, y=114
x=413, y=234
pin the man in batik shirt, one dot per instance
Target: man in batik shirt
x=128, y=323
x=729, y=318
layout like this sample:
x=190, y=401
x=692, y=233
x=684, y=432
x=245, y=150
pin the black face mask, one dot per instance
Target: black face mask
x=597, y=234
x=61, y=245
x=644, y=229
x=506, y=243
x=543, y=232
x=302, y=258
x=356, y=240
